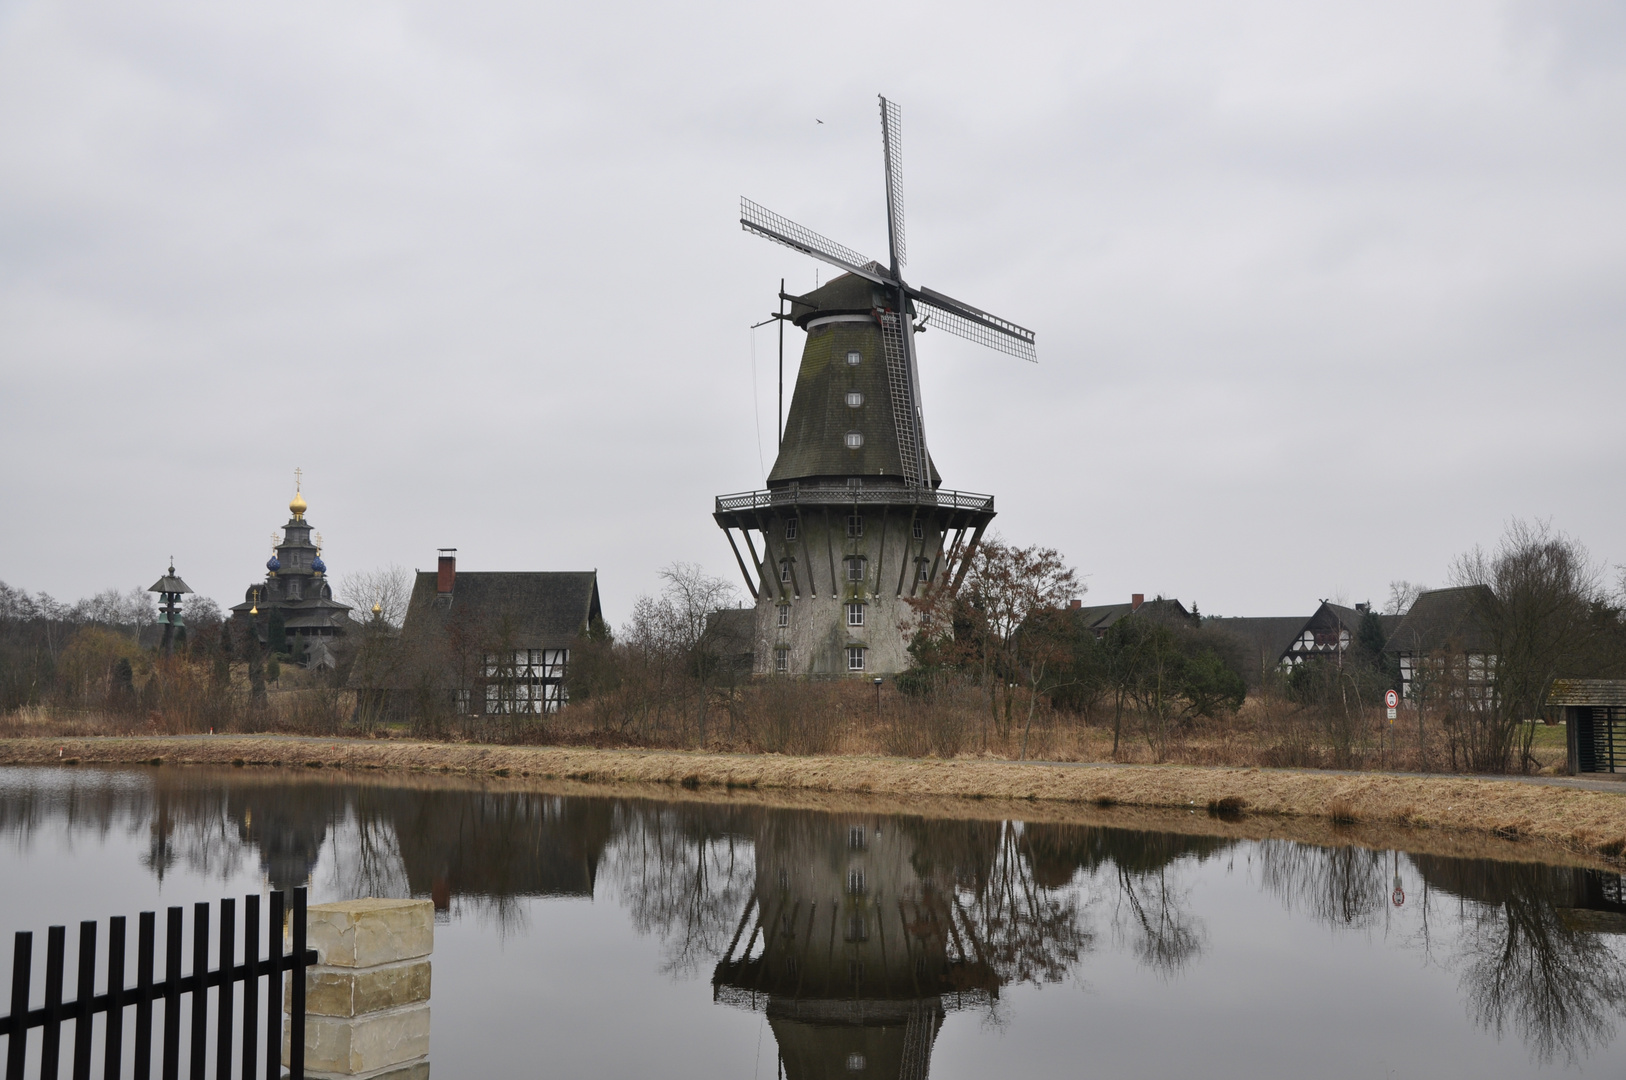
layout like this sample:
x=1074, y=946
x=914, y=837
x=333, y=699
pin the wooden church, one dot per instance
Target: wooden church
x=292, y=608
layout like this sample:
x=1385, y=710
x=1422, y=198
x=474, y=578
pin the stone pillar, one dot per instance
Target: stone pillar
x=367, y=998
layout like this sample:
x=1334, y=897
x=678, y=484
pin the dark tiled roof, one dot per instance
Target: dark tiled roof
x=1266, y=638
x=1330, y=616
x=171, y=584
x=1446, y=618
x=731, y=630
x=1101, y=616
x=530, y=609
x=731, y=636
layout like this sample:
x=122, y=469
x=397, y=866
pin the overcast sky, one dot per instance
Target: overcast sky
x=1324, y=293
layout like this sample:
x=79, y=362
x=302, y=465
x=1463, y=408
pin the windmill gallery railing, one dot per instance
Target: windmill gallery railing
x=810, y=496
x=256, y=1058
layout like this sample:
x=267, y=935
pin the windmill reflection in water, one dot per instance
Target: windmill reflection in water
x=855, y=946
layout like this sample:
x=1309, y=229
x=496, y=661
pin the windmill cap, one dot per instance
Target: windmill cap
x=847, y=294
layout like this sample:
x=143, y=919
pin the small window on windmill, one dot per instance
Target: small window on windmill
x=855, y=614
x=791, y=526
x=855, y=567
x=923, y=571
x=853, y=358
x=855, y=399
x=920, y=529
x=784, y=571
x=784, y=616
x=855, y=526
x=855, y=440
x=781, y=660
x=855, y=658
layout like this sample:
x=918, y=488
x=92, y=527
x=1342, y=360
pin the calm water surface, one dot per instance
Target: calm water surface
x=614, y=937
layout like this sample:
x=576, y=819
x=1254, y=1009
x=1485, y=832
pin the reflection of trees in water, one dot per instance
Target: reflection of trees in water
x=1167, y=935
x=1343, y=887
x=1031, y=932
x=1522, y=964
x=1152, y=905
x=74, y=801
x=684, y=872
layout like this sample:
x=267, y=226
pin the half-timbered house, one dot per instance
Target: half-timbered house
x=1445, y=646
x=498, y=642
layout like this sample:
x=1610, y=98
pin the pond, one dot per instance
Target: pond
x=607, y=936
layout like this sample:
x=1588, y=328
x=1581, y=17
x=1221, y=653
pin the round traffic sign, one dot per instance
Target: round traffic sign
x=1391, y=699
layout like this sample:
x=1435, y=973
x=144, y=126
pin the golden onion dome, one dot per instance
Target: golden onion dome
x=298, y=506
x=378, y=609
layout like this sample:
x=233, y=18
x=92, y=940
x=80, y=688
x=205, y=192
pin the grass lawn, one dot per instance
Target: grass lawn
x=1549, y=737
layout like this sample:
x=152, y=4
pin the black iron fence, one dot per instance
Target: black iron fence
x=237, y=1030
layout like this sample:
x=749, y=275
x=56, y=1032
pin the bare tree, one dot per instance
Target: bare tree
x=1402, y=594
x=389, y=587
x=1540, y=588
x=690, y=598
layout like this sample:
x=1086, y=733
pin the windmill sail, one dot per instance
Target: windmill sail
x=892, y=146
x=781, y=230
x=973, y=324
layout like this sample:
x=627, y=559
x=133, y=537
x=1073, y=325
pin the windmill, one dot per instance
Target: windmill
x=854, y=521
x=898, y=330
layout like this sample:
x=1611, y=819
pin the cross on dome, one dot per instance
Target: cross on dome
x=297, y=505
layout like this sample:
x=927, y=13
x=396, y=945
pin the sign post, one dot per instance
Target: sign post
x=1391, y=701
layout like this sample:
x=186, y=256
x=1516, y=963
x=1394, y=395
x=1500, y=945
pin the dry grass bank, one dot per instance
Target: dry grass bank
x=843, y=718
x=1584, y=822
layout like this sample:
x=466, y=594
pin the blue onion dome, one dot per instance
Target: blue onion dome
x=318, y=565
x=272, y=564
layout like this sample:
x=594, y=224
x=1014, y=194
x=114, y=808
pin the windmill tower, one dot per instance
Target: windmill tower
x=855, y=520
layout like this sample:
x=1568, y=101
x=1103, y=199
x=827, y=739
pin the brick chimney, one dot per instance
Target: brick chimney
x=1076, y=604
x=446, y=575
x=1136, y=601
